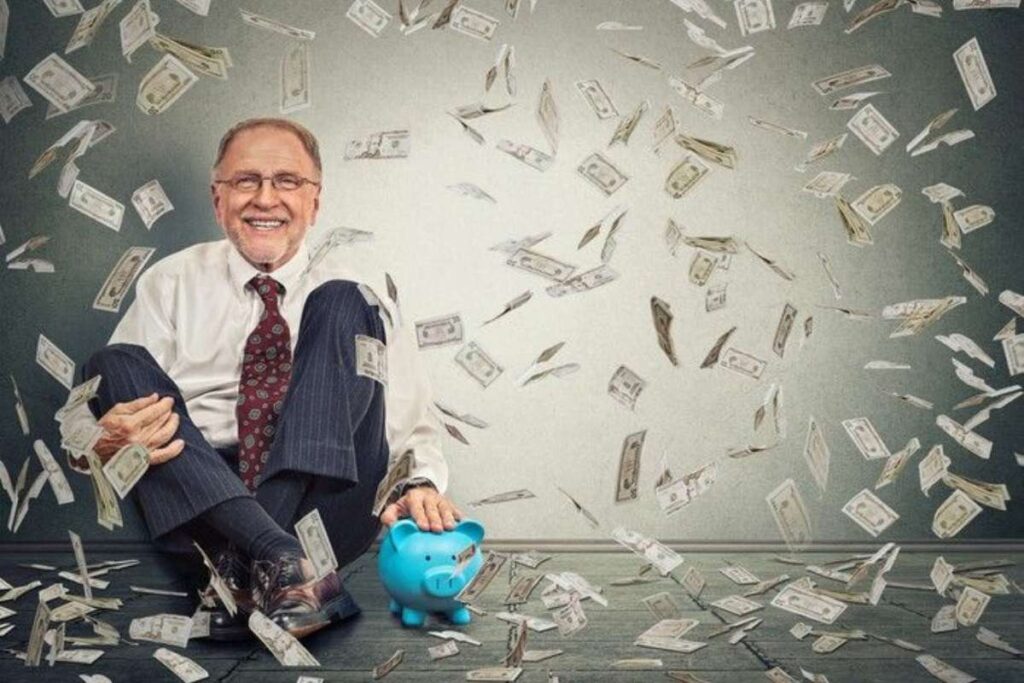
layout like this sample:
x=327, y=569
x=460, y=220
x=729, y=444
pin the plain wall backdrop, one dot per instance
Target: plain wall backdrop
x=567, y=432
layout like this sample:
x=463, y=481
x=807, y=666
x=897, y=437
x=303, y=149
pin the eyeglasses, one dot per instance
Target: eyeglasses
x=252, y=182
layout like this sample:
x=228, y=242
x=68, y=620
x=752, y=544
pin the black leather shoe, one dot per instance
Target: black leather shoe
x=234, y=570
x=290, y=595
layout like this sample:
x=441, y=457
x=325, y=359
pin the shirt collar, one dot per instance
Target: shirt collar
x=241, y=271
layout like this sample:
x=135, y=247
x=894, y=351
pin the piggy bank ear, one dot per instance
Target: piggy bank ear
x=471, y=528
x=400, y=531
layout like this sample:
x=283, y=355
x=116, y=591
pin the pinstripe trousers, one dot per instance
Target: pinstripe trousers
x=332, y=426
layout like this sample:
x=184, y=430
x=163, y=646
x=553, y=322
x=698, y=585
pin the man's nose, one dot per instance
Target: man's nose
x=266, y=195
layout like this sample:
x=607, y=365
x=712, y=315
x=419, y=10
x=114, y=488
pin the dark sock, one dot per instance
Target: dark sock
x=243, y=522
x=281, y=495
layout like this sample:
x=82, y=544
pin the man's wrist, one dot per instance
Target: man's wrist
x=415, y=482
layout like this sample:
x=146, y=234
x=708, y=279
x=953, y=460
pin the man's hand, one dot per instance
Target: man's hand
x=429, y=509
x=148, y=421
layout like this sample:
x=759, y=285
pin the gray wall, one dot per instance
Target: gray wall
x=568, y=432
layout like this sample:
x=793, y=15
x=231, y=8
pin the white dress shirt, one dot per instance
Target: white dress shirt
x=193, y=313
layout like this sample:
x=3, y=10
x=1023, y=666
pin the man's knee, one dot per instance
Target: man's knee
x=115, y=356
x=335, y=294
x=340, y=300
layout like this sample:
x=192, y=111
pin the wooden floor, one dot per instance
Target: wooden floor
x=348, y=652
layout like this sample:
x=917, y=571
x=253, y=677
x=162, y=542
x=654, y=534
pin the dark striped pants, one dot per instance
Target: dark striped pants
x=331, y=426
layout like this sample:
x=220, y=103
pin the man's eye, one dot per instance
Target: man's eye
x=247, y=182
x=287, y=182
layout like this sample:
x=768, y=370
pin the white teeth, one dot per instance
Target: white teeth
x=265, y=224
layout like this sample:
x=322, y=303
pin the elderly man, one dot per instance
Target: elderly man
x=248, y=430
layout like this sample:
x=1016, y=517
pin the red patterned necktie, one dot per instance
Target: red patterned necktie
x=266, y=370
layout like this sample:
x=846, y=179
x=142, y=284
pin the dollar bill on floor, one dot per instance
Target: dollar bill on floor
x=286, y=649
x=180, y=665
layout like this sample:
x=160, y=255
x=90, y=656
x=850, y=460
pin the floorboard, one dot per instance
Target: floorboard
x=348, y=652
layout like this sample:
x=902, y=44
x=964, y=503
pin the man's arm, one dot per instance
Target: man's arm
x=147, y=420
x=411, y=426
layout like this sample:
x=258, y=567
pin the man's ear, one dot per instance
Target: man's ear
x=217, y=199
x=316, y=207
x=400, y=531
x=472, y=528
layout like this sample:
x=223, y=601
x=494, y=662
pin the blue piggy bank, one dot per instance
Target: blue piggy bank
x=417, y=569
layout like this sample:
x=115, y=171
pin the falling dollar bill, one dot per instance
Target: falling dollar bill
x=96, y=205
x=782, y=330
x=790, y=514
x=54, y=361
x=399, y=472
x=686, y=174
x=121, y=277
x=873, y=129
x=312, y=534
x=388, y=144
x=547, y=115
x=164, y=85
x=597, y=98
x=58, y=482
x=846, y=79
x=58, y=82
x=625, y=386
x=754, y=16
x=870, y=513
x=540, y=264
x=866, y=438
x=602, y=173
x=478, y=364
x=876, y=202
x=742, y=363
x=971, y=606
x=662, y=315
x=369, y=16
x=440, y=331
x=970, y=63
x=954, y=514
x=528, y=155
x=506, y=497
x=627, y=487
x=275, y=26
x=126, y=467
x=296, y=92
x=493, y=562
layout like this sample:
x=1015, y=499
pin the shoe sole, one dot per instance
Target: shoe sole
x=339, y=609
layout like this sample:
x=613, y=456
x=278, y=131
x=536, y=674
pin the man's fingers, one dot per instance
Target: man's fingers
x=171, y=450
x=419, y=515
x=447, y=514
x=390, y=515
x=151, y=413
x=136, y=405
x=167, y=430
x=433, y=514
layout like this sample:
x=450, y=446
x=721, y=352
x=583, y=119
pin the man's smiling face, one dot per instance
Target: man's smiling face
x=266, y=225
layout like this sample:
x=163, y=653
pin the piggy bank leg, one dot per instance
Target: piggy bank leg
x=394, y=607
x=413, y=617
x=459, y=617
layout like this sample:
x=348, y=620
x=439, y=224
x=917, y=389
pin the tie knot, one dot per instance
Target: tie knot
x=267, y=287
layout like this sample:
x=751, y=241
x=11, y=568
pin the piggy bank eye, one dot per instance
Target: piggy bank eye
x=453, y=558
x=428, y=558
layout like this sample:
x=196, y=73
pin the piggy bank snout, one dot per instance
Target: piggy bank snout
x=441, y=582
